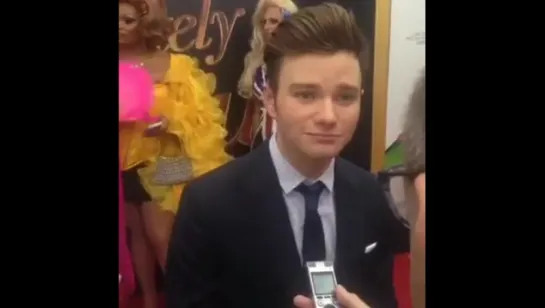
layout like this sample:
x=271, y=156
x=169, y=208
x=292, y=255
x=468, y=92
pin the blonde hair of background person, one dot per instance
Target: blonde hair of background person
x=414, y=145
x=254, y=58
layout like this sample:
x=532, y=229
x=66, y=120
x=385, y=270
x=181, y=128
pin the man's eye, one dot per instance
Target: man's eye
x=305, y=95
x=346, y=98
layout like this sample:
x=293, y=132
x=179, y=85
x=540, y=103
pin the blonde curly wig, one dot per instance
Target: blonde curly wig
x=254, y=59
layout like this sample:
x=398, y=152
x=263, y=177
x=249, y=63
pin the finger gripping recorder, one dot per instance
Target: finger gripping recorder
x=323, y=283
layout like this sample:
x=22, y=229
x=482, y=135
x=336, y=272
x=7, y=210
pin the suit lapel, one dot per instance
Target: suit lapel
x=349, y=221
x=268, y=207
x=355, y=226
x=344, y=196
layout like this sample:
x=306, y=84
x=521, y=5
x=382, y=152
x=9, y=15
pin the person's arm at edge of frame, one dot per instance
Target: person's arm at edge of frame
x=418, y=245
x=414, y=145
x=190, y=277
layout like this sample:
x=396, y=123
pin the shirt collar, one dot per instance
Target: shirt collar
x=289, y=177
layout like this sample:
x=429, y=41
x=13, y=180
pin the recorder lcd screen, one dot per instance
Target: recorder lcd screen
x=324, y=283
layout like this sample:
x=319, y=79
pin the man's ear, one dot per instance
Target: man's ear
x=269, y=102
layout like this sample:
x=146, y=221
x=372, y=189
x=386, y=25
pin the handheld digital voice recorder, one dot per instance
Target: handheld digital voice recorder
x=323, y=283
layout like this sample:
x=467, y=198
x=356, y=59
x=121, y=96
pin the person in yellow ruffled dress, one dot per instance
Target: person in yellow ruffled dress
x=159, y=159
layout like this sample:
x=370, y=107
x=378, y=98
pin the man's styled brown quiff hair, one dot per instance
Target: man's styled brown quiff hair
x=321, y=29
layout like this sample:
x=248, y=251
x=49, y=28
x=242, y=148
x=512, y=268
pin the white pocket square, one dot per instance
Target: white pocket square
x=370, y=247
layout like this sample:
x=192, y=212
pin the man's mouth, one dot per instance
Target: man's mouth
x=322, y=135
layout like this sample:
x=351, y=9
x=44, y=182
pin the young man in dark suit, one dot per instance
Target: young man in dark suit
x=245, y=230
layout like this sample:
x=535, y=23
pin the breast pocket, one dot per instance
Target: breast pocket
x=376, y=262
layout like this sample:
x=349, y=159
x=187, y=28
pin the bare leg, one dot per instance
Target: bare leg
x=143, y=258
x=158, y=225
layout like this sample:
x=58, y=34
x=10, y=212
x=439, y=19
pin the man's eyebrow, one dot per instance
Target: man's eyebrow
x=303, y=86
x=313, y=86
x=348, y=87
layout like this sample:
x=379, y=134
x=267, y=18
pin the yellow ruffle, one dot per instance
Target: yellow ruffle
x=132, y=145
x=195, y=121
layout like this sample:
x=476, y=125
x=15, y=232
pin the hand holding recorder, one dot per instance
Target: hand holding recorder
x=325, y=291
x=344, y=298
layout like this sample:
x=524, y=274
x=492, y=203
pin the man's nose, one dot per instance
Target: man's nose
x=327, y=113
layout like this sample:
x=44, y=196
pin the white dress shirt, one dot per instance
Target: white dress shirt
x=289, y=179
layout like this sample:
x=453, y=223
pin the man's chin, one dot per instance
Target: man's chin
x=324, y=152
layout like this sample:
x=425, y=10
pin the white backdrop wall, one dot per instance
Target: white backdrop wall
x=407, y=59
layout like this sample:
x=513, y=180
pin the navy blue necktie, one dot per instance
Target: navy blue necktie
x=313, y=231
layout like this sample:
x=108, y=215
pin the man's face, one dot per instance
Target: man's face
x=317, y=104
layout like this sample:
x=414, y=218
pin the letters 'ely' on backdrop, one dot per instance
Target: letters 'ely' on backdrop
x=217, y=32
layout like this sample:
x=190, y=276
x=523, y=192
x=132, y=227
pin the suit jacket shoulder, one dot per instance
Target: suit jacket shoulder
x=356, y=174
x=222, y=191
x=216, y=185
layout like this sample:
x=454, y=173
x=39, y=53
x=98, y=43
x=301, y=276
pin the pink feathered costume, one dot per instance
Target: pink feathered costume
x=126, y=284
x=135, y=100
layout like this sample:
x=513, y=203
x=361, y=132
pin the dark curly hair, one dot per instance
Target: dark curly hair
x=154, y=30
